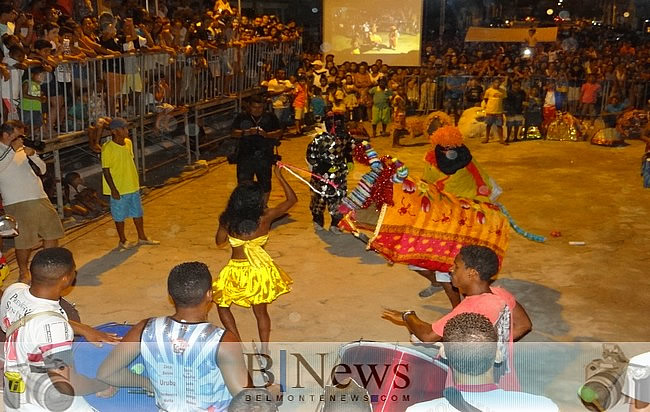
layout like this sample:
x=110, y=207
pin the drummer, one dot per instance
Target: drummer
x=187, y=332
x=473, y=271
x=470, y=347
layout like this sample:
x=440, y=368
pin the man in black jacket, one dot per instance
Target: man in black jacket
x=259, y=132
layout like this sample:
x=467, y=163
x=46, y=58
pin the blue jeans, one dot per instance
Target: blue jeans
x=283, y=116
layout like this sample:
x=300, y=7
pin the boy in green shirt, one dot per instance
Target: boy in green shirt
x=32, y=101
x=380, y=106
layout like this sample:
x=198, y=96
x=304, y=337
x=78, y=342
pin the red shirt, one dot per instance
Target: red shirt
x=490, y=305
x=590, y=92
x=300, y=100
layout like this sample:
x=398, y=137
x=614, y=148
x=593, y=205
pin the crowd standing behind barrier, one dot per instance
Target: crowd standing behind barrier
x=132, y=86
x=150, y=85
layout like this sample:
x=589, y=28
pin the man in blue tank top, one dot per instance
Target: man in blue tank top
x=190, y=364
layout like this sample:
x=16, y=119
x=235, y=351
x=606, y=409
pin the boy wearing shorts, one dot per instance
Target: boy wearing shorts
x=122, y=184
x=493, y=104
x=514, y=108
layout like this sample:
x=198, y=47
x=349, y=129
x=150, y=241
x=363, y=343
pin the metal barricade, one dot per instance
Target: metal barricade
x=137, y=87
x=427, y=93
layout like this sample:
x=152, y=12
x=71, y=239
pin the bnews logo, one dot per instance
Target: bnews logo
x=294, y=371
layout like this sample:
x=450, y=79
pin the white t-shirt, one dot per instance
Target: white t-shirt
x=131, y=63
x=496, y=400
x=637, y=378
x=317, y=76
x=41, y=337
x=18, y=182
x=549, y=99
x=11, y=88
x=279, y=86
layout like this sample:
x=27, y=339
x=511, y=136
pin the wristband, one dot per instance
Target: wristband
x=405, y=314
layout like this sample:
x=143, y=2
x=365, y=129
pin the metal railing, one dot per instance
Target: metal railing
x=77, y=93
x=429, y=93
x=140, y=88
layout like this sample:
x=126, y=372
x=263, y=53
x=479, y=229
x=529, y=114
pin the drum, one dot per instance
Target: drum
x=395, y=377
x=88, y=358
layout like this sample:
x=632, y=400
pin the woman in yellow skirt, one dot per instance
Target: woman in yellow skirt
x=251, y=278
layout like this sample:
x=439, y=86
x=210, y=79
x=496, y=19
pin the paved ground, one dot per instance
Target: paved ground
x=593, y=292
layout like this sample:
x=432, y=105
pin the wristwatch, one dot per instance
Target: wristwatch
x=405, y=314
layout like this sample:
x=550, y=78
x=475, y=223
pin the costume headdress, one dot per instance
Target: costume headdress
x=449, y=153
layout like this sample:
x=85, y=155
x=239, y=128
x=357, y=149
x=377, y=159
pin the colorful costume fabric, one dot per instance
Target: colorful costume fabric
x=427, y=227
x=453, y=170
x=253, y=280
x=421, y=221
x=328, y=155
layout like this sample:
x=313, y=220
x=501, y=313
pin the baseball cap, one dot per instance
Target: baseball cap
x=317, y=63
x=117, y=123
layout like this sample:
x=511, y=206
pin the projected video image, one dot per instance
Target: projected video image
x=373, y=29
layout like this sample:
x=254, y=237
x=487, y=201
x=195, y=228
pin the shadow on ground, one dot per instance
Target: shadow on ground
x=281, y=221
x=88, y=274
x=542, y=305
x=349, y=246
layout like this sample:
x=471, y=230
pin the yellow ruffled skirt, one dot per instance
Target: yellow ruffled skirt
x=243, y=284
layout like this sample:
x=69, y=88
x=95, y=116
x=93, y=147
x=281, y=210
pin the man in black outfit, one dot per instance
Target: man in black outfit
x=259, y=132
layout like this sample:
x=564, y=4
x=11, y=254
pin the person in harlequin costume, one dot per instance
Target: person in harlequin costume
x=330, y=157
x=452, y=169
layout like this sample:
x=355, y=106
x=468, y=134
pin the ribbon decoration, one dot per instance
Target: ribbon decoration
x=518, y=229
x=302, y=179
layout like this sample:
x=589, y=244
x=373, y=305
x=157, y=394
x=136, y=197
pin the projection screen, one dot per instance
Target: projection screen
x=366, y=30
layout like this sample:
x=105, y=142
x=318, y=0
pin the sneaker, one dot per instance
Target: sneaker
x=125, y=245
x=428, y=291
x=335, y=230
x=318, y=227
x=148, y=242
x=485, y=141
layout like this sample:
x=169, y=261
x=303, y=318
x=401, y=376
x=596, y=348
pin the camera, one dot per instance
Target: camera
x=39, y=146
x=604, y=379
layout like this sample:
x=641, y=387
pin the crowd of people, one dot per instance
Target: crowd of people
x=40, y=325
x=44, y=47
x=589, y=71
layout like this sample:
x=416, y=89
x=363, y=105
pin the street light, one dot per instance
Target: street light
x=549, y=12
x=626, y=14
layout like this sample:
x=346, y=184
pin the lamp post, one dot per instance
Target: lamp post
x=443, y=6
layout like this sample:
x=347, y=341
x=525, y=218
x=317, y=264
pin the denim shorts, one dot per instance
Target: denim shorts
x=129, y=205
x=494, y=120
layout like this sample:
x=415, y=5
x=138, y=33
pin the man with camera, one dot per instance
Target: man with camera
x=39, y=372
x=259, y=132
x=23, y=195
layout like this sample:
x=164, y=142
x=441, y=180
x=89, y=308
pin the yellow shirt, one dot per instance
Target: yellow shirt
x=460, y=184
x=494, y=97
x=119, y=160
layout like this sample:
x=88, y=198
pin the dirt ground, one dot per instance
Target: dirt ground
x=572, y=293
x=595, y=292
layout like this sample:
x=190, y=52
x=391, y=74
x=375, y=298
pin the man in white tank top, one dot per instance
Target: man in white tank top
x=190, y=364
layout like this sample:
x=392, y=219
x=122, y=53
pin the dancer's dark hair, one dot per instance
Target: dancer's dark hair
x=244, y=210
